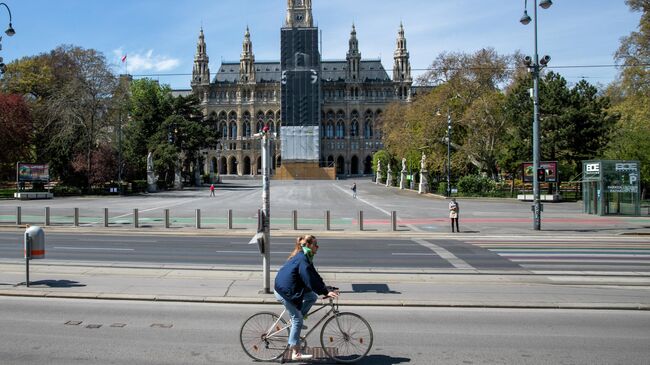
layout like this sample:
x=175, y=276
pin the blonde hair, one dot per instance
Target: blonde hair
x=301, y=241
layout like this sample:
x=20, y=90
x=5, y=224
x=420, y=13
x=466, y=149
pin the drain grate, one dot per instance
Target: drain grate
x=118, y=325
x=93, y=326
x=73, y=323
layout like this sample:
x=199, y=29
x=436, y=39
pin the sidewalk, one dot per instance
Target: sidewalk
x=425, y=288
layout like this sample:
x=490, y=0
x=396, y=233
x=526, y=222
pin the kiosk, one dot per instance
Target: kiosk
x=611, y=187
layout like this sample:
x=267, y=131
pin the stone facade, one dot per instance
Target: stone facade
x=245, y=95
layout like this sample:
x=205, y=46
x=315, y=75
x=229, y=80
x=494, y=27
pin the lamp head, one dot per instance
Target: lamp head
x=545, y=4
x=525, y=19
x=10, y=31
x=545, y=60
x=528, y=61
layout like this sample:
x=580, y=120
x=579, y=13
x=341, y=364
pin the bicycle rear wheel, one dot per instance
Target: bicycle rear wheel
x=346, y=337
x=262, y=336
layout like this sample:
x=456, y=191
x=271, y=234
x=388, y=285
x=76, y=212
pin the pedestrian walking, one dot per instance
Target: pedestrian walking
x=212, y=190
x=354, y=190
x=297, y=286
x=454, y=211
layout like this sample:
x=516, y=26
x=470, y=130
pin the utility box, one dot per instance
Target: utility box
x=34, y=243
x=611, y=187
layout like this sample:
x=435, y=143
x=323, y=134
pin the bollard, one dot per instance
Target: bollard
x=166, y=218
x=198, y=219
x=393, y=220
x=327, y=220
x=76, y=217
x=361, y=220
x=47, y=216
x=294, y=219
x=19, y=218
x=105, y=217
x=136, y=222
x=229, y=218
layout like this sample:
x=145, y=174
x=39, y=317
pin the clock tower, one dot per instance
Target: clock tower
x=299, y=14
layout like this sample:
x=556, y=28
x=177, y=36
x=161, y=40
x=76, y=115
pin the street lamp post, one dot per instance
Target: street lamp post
x=10, y=32
x=534, y=66
x=448, y=153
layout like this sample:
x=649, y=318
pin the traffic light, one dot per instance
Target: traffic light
x=541, y=174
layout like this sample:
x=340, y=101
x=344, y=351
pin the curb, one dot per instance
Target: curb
x=350, y=303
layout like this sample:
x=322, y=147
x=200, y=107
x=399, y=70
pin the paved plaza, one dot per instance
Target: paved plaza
x=416, y=213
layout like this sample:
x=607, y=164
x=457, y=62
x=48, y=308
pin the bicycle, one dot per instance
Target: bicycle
x=345, y=337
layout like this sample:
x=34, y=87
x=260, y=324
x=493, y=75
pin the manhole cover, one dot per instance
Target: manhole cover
x=118, y=325
x=93, y=326
x=73, y=323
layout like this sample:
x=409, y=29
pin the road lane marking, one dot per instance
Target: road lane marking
x=376, y=207
x=121, y=240
x=443, y=253
x=92, y=248
x=257, y=252
x=160, y=207
x=412, y=254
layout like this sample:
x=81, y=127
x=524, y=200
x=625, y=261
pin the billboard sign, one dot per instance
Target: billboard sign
x=549, y=166
x=29, y=172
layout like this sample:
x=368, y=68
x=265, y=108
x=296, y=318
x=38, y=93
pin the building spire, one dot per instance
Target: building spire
x=247, y=60
x=402, y=66
x=353, y=57
x=201, y=71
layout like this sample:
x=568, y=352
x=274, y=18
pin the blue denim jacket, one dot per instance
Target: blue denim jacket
x=297, y=277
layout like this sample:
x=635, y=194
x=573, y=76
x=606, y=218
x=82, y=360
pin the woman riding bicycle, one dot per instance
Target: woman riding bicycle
x=297, y=286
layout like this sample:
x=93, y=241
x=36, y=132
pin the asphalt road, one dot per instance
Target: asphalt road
x=64, y=332
x=610, y=254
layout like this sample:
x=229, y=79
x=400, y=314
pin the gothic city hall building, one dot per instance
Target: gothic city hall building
x=326, y=115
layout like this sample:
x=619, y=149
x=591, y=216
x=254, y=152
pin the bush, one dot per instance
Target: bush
x=65, y=190
x=139, y=186
x=474, y=184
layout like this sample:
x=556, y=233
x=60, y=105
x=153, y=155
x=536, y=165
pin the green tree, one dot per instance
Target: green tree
x=149, y=104
x=631, y=135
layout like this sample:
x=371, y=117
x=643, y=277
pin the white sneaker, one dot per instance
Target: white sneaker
x=296, y=356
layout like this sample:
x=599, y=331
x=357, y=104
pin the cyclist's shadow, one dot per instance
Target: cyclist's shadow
x=373, y=360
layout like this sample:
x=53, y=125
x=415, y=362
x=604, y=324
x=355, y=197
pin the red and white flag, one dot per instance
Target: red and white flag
x=124, y=59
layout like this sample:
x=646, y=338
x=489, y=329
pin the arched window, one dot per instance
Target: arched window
x=247, y=129
x=330, y=129
x=354, y=129
x=223, y=127
x=340, y=129
x=233, y=130
x=367, y=130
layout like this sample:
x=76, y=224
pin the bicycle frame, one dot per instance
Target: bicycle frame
x=332, y=311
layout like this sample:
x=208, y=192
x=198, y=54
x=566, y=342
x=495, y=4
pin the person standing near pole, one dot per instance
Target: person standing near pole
x=212, y=190
x=454, y=211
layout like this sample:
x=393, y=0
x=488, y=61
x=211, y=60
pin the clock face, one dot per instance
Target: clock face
x=299, y=17
x=299, y=3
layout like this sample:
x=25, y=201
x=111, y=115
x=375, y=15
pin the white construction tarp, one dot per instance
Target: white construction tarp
x=300, y=143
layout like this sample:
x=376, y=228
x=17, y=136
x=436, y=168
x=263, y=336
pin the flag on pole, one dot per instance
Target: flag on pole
x=124, y=59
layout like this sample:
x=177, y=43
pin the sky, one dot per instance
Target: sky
x=159, y=36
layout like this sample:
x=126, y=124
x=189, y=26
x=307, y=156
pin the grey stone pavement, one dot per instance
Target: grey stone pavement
x=418, y=216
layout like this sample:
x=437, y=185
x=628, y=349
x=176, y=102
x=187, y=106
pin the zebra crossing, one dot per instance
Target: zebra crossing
x=579, y=254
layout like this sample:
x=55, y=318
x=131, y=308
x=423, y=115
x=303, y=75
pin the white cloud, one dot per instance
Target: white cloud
x=146, y=62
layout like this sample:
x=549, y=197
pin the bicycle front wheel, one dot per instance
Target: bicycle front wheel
x=263, y=336
x=346, y=337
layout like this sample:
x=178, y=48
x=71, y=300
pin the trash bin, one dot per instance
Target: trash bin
x=34, y=243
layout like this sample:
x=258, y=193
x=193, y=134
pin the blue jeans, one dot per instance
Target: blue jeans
x=296, y=315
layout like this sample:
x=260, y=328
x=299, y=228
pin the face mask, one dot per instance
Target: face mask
x=308, y=252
